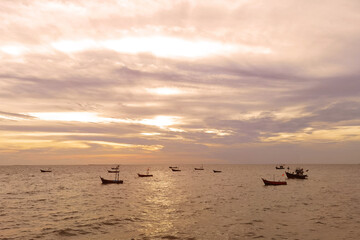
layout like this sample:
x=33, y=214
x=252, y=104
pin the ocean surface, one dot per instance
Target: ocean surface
x=71, y=203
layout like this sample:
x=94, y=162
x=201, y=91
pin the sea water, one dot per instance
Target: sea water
x=71, y=203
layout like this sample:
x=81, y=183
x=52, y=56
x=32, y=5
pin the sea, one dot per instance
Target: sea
x=71, y=203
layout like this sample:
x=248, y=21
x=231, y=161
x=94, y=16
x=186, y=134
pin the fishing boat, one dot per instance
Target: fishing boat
x=116, y=168
x=281, y=166
x=175, y=170
x=216, y=171
x=106, y=181
x=274, y=183
x=116, y=180
x=145, y=175
x=298, y=174
x=42, y=170
x=200, y=168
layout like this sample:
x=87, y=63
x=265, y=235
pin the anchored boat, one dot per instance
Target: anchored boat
x=298, y=174
x=281, y=166
x=200, y=168
x=274, y=183
x=145, y=175
x=115, y=181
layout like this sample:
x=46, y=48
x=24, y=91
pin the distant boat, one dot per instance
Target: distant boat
x=216, y=171
x=116, y=180
x=116, y=168
x=42, y=170
x=113, y=171
x=281, y=166
x=145, y=175
x=274, y=183
x=298, y=174
x=175, y=170
x=172, y=167
x=106, y=181
x=200, y=168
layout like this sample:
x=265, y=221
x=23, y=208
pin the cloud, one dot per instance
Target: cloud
x=187, y=79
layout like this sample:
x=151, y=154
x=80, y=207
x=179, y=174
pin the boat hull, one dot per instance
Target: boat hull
x=45, y=170
x=145, y=175
x=106, y=181
x=216, y=171
x=113, y=171
x=273, y=183
x=198, y=168
x=295, y=176
x=176, y=170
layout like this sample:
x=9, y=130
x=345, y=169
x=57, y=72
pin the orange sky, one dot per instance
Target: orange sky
x=140, y=82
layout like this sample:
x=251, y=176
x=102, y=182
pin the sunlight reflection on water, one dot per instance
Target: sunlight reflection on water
x=71, y=202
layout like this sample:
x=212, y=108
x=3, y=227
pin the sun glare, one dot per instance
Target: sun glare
x=164, y=91
x=160, y=121
x=92, y=117
x=74, y=46
x=162, y=46
x=71, y=117
x=167, y=46
x=13, y=50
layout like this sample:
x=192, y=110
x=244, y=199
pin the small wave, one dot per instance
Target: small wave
x=169, y=237
x=111, y=222
x=68, y=232
x=248, y=223
x=134, y=219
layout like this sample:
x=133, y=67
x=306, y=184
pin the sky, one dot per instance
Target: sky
x=179, y=82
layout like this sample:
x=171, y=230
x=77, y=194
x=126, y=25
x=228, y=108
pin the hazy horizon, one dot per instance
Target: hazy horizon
x=186, y=82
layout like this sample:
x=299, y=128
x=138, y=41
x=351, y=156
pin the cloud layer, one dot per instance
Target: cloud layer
x=179, y=81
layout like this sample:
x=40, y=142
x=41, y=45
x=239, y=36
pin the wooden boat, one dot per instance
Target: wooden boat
x=115, y=181
x=106, y=181
x=274, y=183
x=116, y=168
x=280, y=167
x=200, y=168
x=113, y=171
x=176, y=170
x=216, y=171
x=145, y=175
x=42, y=170
x=298, y=174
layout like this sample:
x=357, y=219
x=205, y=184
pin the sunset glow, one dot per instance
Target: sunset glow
x=160, y=46
x=71, y=117
x=156, y=81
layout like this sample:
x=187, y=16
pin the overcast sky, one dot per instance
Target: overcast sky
x=141, y=82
